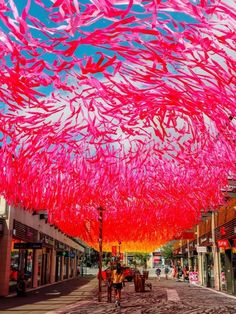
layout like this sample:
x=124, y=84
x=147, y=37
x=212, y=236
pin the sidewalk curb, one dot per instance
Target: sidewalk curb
x=216, y=291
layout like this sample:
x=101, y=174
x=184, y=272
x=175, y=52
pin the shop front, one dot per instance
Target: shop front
x=185, y=254
x=45, y=259
x=205, y=241
x=60, y=249
x=226, y=242
x=193, y=256
x=24, y=244
x=66, y=263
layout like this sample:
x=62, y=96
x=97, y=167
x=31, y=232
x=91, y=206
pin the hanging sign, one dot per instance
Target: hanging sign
x=121, y=256
x=223, y=244
x=201, y=249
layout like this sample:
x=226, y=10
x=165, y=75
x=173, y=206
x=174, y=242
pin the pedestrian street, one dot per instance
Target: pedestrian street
x=80, y=296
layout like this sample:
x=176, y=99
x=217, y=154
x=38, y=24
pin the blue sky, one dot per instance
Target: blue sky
x=88, y=50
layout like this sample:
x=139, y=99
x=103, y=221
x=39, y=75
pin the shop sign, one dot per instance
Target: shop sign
x=156, y=253
x=28, y=245
x=121, y=256
x=204, y=240
x=201, y=249
x=193, y=277
x=224, y=244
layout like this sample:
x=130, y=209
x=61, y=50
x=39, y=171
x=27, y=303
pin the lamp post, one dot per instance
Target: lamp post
x=100, y=221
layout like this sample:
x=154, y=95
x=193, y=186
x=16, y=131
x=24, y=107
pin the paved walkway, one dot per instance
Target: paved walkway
x=79, y=296
x=51, y=298
x=166, y=297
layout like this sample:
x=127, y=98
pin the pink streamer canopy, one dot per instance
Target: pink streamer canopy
x=127, y=105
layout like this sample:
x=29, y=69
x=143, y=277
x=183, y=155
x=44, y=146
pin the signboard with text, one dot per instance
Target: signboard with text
x=27, y=245
x=201, y=249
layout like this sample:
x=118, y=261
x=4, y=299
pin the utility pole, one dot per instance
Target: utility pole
x=100, y=221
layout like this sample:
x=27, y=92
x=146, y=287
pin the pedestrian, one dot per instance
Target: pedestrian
x=166, y=271
x=158, y=273
x=179, y=273
x=21, y=286
x=186, y=273
x=174, y=271
x=117, y=278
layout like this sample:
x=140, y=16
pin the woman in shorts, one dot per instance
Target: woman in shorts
x=117, y=278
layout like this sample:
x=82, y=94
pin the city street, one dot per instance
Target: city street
x=117, y=157
x=79, y=296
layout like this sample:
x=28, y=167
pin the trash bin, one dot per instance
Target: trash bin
x=139, y=283
x=142, y=284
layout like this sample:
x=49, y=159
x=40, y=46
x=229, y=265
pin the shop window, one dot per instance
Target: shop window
x=223, y=283
x=234, y=271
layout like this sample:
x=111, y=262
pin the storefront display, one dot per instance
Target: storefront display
x=226, y=242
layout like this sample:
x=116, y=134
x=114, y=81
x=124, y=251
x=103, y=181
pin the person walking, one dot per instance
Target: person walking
x=166, y=270
x=158, y=273
x=117, y=279
x=186, y=273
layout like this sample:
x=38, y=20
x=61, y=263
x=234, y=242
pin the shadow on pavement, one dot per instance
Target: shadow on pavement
x=48, y=293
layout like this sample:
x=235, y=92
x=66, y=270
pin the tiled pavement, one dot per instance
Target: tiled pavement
x=50, y=298
x=166, y=297
x=80, y=297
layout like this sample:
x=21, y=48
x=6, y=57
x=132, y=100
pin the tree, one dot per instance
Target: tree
x=167, y=252
x=142, y=258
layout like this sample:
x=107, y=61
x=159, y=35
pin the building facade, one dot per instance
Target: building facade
x=212, y=251
x=30, y=246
